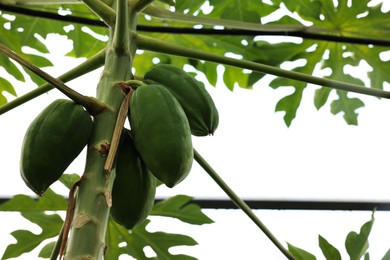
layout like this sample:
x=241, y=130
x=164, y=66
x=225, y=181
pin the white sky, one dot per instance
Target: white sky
x=318, y=157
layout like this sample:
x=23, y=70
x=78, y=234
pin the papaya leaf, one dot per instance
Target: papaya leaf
x=329, y=251
x=23, y=203
x=300, y=254
x=345, y=19
x=357, y=244
x=34, y=211
x=122, y=241
x=136, y=240
x=26, y=240
x=180, y=207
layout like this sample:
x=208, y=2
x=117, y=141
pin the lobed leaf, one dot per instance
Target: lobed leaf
x=26, y=241
x=122, y=241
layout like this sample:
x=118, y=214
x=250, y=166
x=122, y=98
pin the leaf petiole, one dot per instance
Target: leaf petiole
x=240, y=203
x=91, y=104
x=151, y=44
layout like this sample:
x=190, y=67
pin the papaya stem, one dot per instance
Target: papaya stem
x=91, y=104
x=89, y=65
x=87, y=235
x=120, y=40
x=151, y=44
x=240, y=203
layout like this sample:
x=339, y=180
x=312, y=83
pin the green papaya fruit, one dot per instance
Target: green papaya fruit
x=134, y=187
x=161, y=133
x=192, y=95
x=52, y=141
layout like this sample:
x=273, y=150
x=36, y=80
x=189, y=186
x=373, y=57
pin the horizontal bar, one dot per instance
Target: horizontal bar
x=295, y=205
x=286, y=204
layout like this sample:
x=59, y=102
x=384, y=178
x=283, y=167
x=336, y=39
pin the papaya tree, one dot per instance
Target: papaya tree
x=165, y=105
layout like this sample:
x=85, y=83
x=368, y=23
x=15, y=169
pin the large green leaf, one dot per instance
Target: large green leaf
x=341, y=20
x=34, y=211
x=136, y=240
x=178, y=207
x=26, y=240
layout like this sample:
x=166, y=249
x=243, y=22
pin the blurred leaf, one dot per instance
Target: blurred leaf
x=357, y=244
x=300, y=254
x=190, y=6
x=180, y=207
x=329, y=251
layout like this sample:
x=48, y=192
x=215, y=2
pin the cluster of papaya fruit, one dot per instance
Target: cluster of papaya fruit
x=163, y=114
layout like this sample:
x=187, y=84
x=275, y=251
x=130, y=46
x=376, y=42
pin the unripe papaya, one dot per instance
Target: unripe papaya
x=134, y=187
x=192, y=95
x=52, y=141
x=161, y=133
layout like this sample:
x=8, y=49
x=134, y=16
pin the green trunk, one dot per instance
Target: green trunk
x=93, y=198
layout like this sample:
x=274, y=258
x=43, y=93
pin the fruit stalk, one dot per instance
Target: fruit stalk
x=94, y=62
x=91, y=104
x=87, y=237
x=240, y=203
